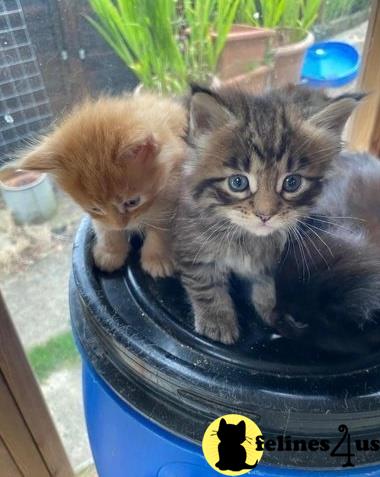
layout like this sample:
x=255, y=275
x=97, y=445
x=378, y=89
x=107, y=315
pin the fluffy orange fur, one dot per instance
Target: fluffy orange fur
x=119, y=158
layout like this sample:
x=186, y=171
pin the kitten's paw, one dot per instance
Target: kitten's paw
x=270, y=317
x=157, y=265
x=107, y=260
x=268, y=314
x=224, y=329
x=288, y=327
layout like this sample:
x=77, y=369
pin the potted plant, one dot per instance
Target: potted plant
x=293, y=38
x=245, y=49
x=289, y=52
x=167, y=44
x=291, y=21
x=28, y=195
x=244, y=59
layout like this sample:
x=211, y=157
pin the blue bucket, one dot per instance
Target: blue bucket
x=151, y=386
x=330, y=64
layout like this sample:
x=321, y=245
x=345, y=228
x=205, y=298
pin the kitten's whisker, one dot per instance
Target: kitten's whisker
x=232, y=237
x=340, y=217
x=316, y=248
x=241, y=241
x=285, y=256
x=300, y=251
x=208, y=239
x=159, y=219
x=305, y=266
x=304, y=242
x=215, y=227
x=319, y=237
x=221, y=244
x=334, y=224
x=228, y=237
x=328, y=222
x=327, y=231
x=237, y=237
x=146, y=224
x=291, y=241
x=319, y=251
x=295, y=243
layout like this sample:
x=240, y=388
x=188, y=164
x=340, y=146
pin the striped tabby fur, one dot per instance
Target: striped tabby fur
x=218, y=230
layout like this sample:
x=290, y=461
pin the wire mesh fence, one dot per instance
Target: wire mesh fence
x=24, y=105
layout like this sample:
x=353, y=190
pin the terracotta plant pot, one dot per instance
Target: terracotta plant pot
x=289, y=55
x=28, y=195
x=255, y=81
x=244, y=50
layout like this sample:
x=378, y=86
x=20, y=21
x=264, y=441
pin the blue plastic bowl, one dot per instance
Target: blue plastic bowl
x=330, y=64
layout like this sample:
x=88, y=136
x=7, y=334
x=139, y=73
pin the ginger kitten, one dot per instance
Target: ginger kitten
x=119, y=158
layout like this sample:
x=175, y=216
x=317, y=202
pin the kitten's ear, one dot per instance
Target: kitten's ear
x=41, y=158
x=206, y=111
x=222, y=423
x=335, y=115
x=241, y=426
x=147, y=148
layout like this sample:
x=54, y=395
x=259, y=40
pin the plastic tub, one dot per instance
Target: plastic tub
x=152, y=386
x=28, y=195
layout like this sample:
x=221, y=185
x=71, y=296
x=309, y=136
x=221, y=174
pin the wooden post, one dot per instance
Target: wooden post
x=364, y=132
x=69, y=13
x=8, y=465
x=29, y=442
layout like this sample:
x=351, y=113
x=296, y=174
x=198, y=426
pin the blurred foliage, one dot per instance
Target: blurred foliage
x=279, y=13
x=166, y=42
x=334, y=9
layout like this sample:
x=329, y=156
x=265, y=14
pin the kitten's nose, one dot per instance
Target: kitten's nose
x=264, y=218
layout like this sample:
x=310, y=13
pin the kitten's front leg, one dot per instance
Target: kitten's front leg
x=111, y=248
x=264, y=297
x=156, y=254
x=213, y=309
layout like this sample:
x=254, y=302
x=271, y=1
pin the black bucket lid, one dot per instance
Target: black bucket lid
x=138, y=335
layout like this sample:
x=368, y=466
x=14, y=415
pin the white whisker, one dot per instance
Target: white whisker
x=318, y=236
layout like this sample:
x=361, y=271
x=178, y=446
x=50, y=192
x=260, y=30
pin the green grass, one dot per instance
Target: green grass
x=57, y=353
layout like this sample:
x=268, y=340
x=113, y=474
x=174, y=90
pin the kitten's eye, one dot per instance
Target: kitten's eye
x=96, y=210
x=292, y=183
x=133, y=202
x=238, y=183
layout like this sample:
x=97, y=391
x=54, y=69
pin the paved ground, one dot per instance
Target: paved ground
x=38, y=297
x=63, y=392
x=35, y=282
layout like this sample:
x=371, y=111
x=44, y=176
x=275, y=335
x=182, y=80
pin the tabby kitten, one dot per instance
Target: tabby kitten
x=258, y=165
x=119, y=158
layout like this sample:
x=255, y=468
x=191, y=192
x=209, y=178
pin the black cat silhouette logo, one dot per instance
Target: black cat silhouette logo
x=229, y=445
